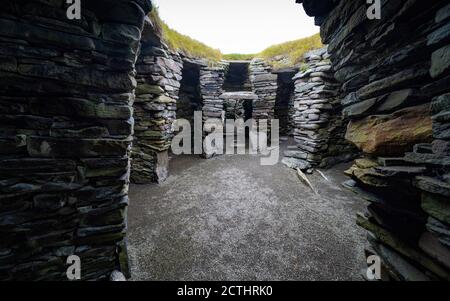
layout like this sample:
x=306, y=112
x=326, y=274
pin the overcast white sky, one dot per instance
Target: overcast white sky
x=238, y=26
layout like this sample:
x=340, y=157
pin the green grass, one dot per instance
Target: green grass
x=292, y=52
x=182, y=43
x=238, y=57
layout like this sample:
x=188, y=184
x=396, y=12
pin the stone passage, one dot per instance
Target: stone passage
x=190, y=97
x=391, y=70
x=284, y=104
x=319, y=128
x=159, y=75
x=238, y=108
x=66, y=95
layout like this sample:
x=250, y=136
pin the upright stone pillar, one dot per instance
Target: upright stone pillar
x=158, y=74
x=211, y=82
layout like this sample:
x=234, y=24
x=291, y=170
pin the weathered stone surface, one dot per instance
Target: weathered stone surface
x=440, y=35
x=211, y=84
x=433, y=185
x=401, y=171
x=79, y=108
x=296, y=163
x=431, y=245
x=159, y=74
x=440, y=61
x=366, y=163
x=361, y=108
x=395, y=243
x=265, y=87
x=399, y=99
x=296, y=154
x=437, y=206
x=391, y=135
x=440, y=104
x=367, y=176
x=51, y=147
x=117, y=276
x=403, y=270
x=390, y=83
x=441, y=147
x=316, y=114
x=391, y=161
x=428, y=159
x=441, y=230
x=66, y=125
x=384, y=69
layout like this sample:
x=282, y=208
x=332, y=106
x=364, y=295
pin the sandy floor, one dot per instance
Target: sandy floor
x=228, y=218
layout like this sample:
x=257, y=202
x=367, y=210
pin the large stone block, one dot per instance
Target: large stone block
x=440, y=62
x=394, y=134
x=67, y=148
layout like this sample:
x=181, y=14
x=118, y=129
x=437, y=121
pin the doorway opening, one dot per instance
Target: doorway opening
x=284, y=102
x=190, y=98
x=237, y=77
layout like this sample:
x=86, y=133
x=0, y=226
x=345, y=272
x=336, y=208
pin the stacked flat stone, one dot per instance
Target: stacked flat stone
x=158, y=76
x=265, y=87
x=66, y=124
x=316, y=112
x=211, y=82
x=404, y=177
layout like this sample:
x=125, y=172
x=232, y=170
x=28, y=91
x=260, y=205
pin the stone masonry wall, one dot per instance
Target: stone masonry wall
x=211, y=83
x=66, y=95
x=395, y=76
x=158, y=76
x=265, y=86
x=319, y=127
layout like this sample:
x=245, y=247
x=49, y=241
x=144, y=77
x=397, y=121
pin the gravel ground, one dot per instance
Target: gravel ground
x=228, y=218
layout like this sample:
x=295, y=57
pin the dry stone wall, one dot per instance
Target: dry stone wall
x=211, y=83
x=395, y=76
x=265, y=87
x=158, y=76
x=66, y=95
x=318, y=123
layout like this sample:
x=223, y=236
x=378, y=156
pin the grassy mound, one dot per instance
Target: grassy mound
x=290, y=53
x=238, y=57
x=279, y=56
x=182, y=43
